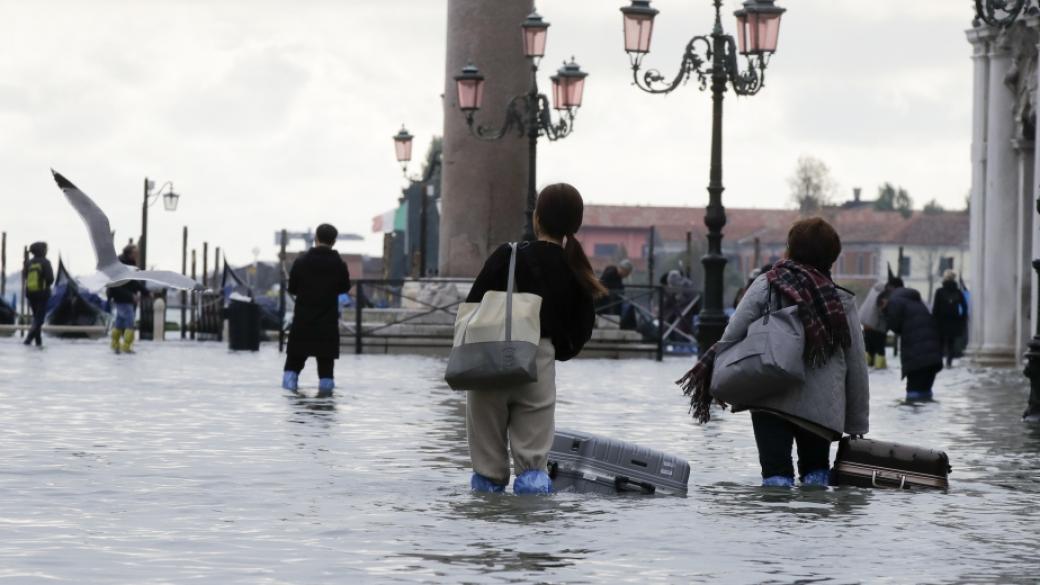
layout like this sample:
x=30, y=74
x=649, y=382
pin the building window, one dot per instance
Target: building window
x=904, y=266
x=861, y=263
x=605, y=250
x=945, y=263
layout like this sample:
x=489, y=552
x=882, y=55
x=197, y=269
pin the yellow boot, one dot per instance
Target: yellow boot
x=880, y=363
x=117, y=335
x=128, y=341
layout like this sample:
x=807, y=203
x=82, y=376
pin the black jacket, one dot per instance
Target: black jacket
x=44, y=272
x=316, y=279
x=908, y=316
x=567, y=314
x=124, y=293
x=950, y=309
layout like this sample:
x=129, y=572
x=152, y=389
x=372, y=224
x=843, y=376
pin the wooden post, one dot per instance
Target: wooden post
x=216, y=266
x=689, y=254
x=650, y=256
x=281, y=291
x=184, y=271
x=205, y=263
x=3, y=264
x=194, y=304
x=21, y=299
x=756, y=260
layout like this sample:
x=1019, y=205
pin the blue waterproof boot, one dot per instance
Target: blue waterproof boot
x=325, y=386
x=918, y=395
x=290, y=380
x=479, y=483
x=820, y=477
x=532, y=481
x=778, y=481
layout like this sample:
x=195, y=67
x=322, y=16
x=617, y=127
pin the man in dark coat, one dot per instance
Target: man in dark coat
x=39, y=276
x=317, y=279
x=613, y=278
x=124, y=298
x=921, y=356
x=950, y=310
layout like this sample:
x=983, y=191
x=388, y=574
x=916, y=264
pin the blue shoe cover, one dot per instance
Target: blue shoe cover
x=821, y=477
x=918, y=396
x=290, y=380
x=532, y=481
x=778, y=481
x=325, y=386
x=479, y=483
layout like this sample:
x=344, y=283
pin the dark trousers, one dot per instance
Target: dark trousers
x=921, y=380
x=295, y=363
x=774, y=436
x=874, y=341
x=38, y=305
x=948, y=343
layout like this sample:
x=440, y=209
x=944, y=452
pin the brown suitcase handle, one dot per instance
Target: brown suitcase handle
x=873, y=480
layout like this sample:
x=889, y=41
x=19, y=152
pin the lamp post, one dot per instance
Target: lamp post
x=403, y=151
x=528, y=114
x=170, y=199
x=712, y=59
x=403, y=148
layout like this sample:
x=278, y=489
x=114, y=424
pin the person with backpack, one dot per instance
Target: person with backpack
x=875, y=331
x=835, y=395
x=317, y=279
x=950, y=311
x=39, y=277
x=920, y=353
x=521, y=418
x=124, y=298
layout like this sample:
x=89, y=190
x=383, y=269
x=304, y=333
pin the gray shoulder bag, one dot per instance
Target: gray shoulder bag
x=767, y=361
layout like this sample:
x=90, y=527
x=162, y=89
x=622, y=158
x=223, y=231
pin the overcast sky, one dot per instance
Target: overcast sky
x=268, y=114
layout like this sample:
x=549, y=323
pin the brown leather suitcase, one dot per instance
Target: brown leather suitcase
x=869, y=463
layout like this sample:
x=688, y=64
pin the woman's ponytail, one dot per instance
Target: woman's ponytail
x=579, y=263
x=558, y=213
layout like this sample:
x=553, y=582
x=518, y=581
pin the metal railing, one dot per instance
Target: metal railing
x=431, y=298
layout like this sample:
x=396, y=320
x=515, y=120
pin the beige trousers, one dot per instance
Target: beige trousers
x=520, y=419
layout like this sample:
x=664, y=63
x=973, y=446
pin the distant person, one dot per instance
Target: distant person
x=835, y=397
x=39, y=277
x=521, y=419
x=613, y=279
x=317, y=279
x=875, y=330
x=919, y=350
x=125, y=298
x=950, y=310
x=751, y=278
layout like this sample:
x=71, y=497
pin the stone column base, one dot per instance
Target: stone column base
x=994, y=357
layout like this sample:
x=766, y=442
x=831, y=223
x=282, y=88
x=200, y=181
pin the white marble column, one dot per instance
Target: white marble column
x=1024, y=273
x=979, y=39
x=999, y=250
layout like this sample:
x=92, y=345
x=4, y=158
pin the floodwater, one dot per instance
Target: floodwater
x=186, y=463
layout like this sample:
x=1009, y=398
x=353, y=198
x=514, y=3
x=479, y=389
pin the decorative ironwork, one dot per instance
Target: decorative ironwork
x=1003, y=13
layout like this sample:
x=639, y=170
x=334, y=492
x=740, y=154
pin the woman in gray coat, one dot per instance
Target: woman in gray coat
x=834, y=398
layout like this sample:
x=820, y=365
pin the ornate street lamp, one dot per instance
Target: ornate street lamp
x=528, y=114
x=1003, y=13
x=403, y=148
x=712, y=59
x=170, y=199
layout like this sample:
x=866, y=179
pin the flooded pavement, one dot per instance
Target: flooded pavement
x=187, y=463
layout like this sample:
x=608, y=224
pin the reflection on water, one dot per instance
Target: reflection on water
x=187, y=463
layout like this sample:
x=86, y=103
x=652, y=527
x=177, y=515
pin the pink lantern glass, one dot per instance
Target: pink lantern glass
x=535, y=35
x=758, y=27
x=558, y=93
x=639, y=26
x=470, y=86
x=403, y=145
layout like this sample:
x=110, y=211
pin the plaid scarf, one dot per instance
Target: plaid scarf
x=822, y=314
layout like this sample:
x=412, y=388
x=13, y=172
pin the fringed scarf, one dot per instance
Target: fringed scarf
x=822, y=314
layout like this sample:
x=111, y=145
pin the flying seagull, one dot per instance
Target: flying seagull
x=112, y=272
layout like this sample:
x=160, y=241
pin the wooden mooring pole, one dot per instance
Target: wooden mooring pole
x=184, y=271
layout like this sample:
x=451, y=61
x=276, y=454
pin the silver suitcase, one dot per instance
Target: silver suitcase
x=585, y=463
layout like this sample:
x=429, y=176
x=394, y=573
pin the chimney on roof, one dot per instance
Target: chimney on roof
x=856, y=193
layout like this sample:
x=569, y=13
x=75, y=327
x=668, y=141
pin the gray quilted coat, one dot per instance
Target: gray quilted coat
x=835, y=397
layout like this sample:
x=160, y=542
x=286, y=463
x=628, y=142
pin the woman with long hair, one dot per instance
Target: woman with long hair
x=835, y=397
x=521, y=419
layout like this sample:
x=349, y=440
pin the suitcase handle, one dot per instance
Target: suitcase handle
x=873, y=480
x=621, y=481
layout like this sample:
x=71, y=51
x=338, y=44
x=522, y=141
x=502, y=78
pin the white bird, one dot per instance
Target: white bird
x=112, y=272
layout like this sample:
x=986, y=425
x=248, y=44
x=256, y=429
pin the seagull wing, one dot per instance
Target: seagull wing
x=167, y=278
x=96, y=220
